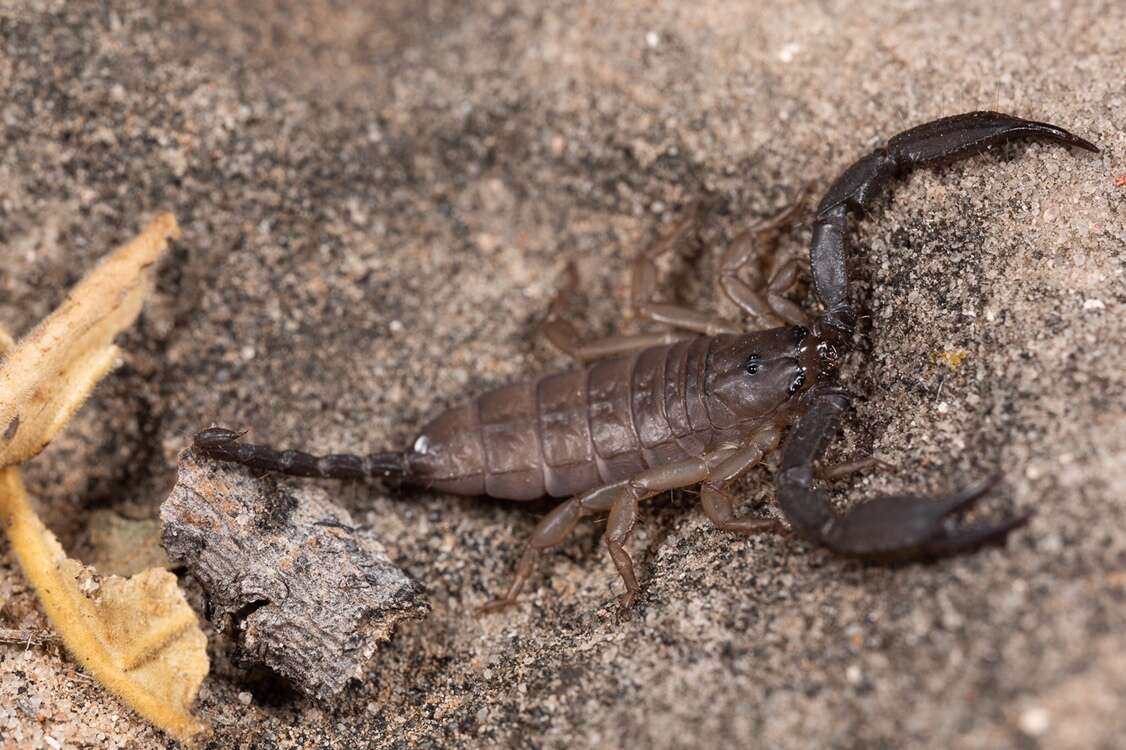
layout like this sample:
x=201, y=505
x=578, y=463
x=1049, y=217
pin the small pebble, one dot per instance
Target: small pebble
x=244, y=698
x=1035, y=721
x=789, y=52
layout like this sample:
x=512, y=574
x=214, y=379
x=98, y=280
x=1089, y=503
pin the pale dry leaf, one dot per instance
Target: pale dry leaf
x=137, y=636
x=123, y=546
x=47, y=375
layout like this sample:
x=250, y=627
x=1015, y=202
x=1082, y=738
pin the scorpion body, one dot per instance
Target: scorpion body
x=699, y=403
x=570, y=432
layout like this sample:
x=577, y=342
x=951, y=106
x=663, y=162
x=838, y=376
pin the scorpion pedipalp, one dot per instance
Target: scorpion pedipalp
x=909, y=527
x=936, y=142
x=903, y=527
x=889, y=528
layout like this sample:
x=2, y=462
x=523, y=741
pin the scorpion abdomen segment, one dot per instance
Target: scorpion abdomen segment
x=617, y=447
x=678, y=391
x=695, y=381
x=650, y=418
x=510, y=434
x=565, y=433
x=449, y=455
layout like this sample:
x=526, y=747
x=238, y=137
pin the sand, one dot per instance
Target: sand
x=377, y=204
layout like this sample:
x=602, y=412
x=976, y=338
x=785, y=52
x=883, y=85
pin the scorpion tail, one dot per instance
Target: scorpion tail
x=222, y=444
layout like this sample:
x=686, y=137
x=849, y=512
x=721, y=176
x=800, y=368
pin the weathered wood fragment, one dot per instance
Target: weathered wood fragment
x=308, y=592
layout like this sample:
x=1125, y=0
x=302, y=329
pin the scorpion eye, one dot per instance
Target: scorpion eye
x=799, y=381
x=800, y=332
x=753, y=363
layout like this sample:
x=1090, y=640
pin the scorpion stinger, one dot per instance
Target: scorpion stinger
x=892, y=527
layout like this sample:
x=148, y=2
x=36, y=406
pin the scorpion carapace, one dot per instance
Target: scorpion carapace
x=700, y=402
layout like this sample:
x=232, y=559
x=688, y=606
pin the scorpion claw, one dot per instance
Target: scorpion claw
x=912, y=527
x=958, y=540
x=892, y=528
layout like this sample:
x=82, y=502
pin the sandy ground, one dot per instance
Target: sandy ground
x=376, y=206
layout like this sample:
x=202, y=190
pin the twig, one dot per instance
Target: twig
x=26, y=636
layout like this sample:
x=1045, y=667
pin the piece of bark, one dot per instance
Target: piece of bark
x=309, y=594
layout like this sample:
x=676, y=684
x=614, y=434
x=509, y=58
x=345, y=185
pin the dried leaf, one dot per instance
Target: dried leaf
x=137, y=636
x=124, y=546
x=49, y=373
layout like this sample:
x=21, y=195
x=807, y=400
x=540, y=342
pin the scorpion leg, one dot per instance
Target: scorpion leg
x=643, y=286
x=719, y=506
x=735, y=260
x=892, y=528
x=643, y=270
x=627, y=498
x=768, y=309
x=564, y=336
x=688, y=319
x=552, y=531
x=621, y=499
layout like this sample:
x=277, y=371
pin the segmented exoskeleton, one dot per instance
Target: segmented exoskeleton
x=700, y=403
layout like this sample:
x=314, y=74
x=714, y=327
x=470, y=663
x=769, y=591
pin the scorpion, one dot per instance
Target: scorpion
x=697, y=403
